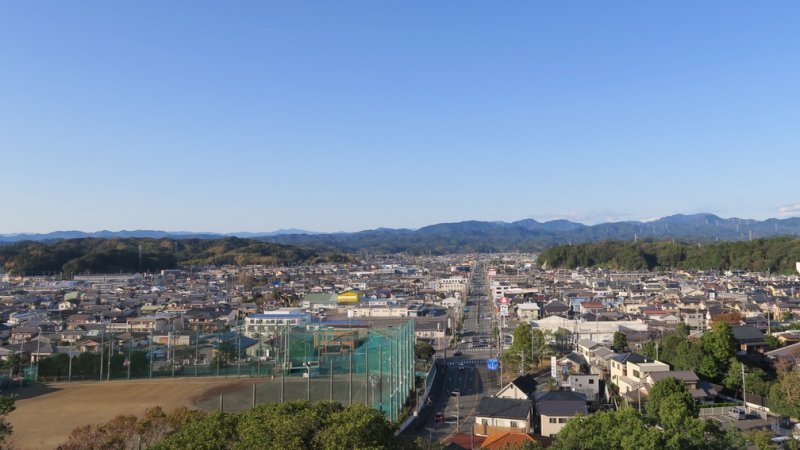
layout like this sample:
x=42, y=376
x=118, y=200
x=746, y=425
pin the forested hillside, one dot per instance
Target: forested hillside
x=90, y=255
x=760, y=255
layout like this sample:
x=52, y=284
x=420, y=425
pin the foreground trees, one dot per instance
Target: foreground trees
x=288, y=426
x=671, y=423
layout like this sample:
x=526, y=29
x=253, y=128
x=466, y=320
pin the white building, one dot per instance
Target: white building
x=256, y=325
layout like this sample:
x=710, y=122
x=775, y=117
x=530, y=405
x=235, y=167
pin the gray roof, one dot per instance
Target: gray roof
x=683, y=375
x=747, y=333
x=503, y=408
x=526, y=383
x=561, y=403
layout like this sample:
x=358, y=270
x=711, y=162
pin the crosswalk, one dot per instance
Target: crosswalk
x=466, y=362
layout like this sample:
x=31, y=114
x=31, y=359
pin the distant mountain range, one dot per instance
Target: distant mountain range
x=153, y=234
x=485, y=237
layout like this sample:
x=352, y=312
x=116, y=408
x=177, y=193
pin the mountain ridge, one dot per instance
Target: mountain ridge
x=484, y=236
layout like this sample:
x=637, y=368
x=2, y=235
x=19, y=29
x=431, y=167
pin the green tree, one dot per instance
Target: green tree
x=620, y=343
x=622, y=429
x=291, y=425
x=680, y=403
x=423, y=350
x=358, y=426
x=226, y=353
x=215, y=431
x=719, y=342
x=521, y=344
x=733, y=379
x=7, y=405
x=772, y=341
x=762, y=439
x=539, y=344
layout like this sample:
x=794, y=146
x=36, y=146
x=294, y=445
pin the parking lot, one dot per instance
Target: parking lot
x=752, y=422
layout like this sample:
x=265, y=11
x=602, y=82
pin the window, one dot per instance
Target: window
x=485, y=422
x=553, y=420
x=562, y=420
x=636, y=374
x=591, y=381
x=513, y=424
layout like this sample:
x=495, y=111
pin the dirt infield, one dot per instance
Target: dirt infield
x=46, y=414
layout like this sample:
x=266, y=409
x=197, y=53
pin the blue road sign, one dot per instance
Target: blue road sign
x=493, y=364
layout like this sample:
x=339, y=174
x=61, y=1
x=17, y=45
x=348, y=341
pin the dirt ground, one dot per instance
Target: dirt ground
x=47, y=413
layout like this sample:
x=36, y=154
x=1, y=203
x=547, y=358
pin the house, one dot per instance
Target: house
x=521, y=388
x=591, y=307
x=586, y=384
x=320, y=301
x=636, y=374
x=555, y=408
x=507, y=440
x=555, y=308
x=495, y=414
x=450, y=302
x=528, y=311
x=702, y=392
x=349, y=297
x=750, y=339
x=272, y=321
x=432, y=330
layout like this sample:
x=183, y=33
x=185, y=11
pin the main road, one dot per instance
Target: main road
x=467, y=377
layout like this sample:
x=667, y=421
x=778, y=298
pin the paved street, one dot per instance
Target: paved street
x=467, y=377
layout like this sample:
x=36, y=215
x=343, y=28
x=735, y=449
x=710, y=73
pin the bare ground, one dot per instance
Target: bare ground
x=47, y=413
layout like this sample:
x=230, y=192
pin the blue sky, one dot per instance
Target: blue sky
x=327, y=116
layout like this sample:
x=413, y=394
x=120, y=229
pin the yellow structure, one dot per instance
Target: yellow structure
x=349, y=297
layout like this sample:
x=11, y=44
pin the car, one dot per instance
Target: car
x=457, y=353
x=461, y=366
x=737, y=413
x=455, y=393
x=438, y=417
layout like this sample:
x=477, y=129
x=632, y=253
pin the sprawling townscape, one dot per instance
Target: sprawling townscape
x=517, y=351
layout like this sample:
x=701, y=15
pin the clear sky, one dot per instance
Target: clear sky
x=344, y=115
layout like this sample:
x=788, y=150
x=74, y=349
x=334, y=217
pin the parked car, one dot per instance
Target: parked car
x=737, y=413
x=457, y=353
x=438, y=417
x=455, y=393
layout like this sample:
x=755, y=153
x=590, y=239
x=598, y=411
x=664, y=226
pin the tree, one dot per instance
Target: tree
x=719, y=342
x=621, y=429
x=358, y=426
x=784, y=395
x=772, y=341
x=540, y=345
x=521, y=344
x=423, y=350
x=215, y=431
x=226, y=353
x=680, y=401
x=733, y=379
x=7, y=405
x=620, y=342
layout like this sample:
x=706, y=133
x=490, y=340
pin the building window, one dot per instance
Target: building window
x=562, y=420
x=591, y=381
x=485, y=422
x=553, y=420
x=513, y=424
x=636, y=374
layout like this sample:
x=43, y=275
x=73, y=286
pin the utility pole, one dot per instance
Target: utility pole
x=744, y=391
x=102, y=348
x=458, y=412
x=110, y=348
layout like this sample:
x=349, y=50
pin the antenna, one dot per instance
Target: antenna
x=140, y=257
